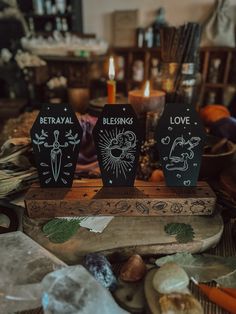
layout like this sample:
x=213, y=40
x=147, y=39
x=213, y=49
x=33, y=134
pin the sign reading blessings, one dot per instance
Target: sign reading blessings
x=118, y=121
x=180, y=139
x=56, y=136
x=117, y=140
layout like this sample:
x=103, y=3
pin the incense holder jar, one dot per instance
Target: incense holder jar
x=180, y=138
x=56, y=136
x=117, y=139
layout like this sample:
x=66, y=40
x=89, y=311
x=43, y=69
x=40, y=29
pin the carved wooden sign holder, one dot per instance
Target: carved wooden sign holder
x=88, y=198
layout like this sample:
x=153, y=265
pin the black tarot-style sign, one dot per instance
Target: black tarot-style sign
x=56, y=136
x=117, y=140
x=180, y=138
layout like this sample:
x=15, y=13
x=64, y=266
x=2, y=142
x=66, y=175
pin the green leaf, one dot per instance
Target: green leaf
x=184, y=233
x=61, y=230
x=173, y=228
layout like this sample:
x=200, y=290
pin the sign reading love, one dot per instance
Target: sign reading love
x=180, y=139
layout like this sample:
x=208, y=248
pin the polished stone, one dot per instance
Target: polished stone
x=170, y=278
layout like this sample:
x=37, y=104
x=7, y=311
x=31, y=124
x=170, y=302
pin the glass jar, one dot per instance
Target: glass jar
x=188, y=82
x=151, y=124
x=169, y=76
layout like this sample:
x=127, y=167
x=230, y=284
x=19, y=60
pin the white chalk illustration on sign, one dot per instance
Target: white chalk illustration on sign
x=165, y=140
x=56, y=153
x=187, y=183
x=181, y=152
x=118, y=150
x=73, y=139
x=39, y=139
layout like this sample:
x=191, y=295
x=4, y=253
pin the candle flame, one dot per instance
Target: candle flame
x=146, y=92
x=111, y=72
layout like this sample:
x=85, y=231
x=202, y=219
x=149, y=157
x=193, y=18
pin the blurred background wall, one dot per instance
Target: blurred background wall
x=98, y=17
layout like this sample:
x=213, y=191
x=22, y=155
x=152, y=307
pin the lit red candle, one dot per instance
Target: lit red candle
x=111, y=83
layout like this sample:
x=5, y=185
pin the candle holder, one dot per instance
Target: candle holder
x=118, y=140
x=56, y=136
x=141, y=104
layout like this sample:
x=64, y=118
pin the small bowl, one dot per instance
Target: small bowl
x=213, y=164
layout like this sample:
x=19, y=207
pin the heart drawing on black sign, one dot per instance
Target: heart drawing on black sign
x=187, y=183
x=165, y=140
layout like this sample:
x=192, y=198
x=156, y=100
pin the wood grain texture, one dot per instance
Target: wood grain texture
x=145, y=199
x=130, y=235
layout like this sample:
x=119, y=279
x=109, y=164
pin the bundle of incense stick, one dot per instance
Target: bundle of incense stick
x=180, y=46
x=16, y=170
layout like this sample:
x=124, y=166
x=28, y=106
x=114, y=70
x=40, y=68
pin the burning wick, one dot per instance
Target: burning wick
x=111, y=84
x=111, y=71
x=146, y=92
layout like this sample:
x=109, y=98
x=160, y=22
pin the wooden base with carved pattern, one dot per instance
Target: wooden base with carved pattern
x=88, y=198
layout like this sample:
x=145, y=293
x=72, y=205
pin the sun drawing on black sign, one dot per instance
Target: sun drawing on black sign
x=117, y=150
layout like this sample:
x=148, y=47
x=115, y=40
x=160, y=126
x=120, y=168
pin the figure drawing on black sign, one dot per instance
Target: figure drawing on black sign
x=56, y=153
x=118, y=150
x=181, y=152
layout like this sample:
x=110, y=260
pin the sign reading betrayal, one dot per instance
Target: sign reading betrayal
x=117, y=140
x=56, y=136
x=180, y=139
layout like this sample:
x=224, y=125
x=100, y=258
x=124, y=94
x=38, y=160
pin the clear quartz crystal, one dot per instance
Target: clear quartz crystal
x=73, y=290
x=24, y=263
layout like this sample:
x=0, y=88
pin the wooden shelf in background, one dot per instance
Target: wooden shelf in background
x=215, y=85
x=46, y=16
x=226, y=54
